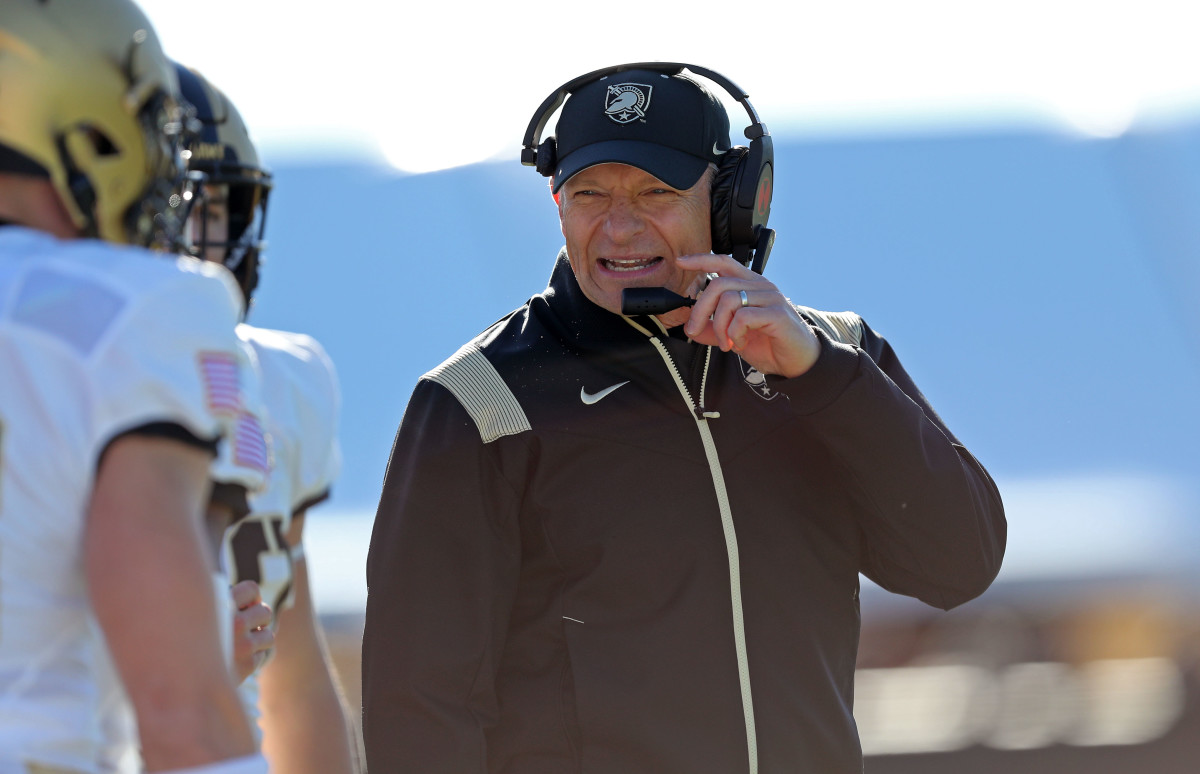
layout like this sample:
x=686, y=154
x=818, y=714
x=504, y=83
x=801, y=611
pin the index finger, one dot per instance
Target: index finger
x=723, y=265
x=246, y=593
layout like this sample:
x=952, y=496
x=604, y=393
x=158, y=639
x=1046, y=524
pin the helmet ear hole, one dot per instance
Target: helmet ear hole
x=722, y=200
x=102, y=144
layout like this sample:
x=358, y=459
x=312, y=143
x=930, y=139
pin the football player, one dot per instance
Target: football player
x=304, y=722
x=118, y=376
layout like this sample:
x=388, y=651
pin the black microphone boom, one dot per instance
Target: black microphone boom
x=651, y=301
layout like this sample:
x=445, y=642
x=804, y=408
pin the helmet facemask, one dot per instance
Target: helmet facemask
x=229, y=220
x=158, y=217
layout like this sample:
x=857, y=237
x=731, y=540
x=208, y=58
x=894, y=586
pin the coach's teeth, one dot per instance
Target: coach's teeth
x=632, y=264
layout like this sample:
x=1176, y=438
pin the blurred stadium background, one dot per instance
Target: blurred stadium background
x=1009, y=192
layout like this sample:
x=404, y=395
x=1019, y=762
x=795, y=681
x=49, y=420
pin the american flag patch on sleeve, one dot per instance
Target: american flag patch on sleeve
x=222, y=393
x=250, y=444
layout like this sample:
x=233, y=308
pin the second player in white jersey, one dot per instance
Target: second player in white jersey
x=304, y=722
x=300, y=397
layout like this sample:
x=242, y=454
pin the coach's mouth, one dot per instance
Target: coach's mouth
x=628, y=265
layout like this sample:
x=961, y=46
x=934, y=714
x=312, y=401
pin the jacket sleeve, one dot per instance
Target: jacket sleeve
x=441, y=574
x=930, y=517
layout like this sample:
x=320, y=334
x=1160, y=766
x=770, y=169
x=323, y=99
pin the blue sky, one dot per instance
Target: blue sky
x=385, y=80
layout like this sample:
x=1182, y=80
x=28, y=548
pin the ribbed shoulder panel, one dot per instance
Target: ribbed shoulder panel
x=844, y=327
x=478, y=386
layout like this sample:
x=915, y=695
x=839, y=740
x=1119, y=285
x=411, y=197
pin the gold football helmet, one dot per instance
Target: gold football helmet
x=89, y=100
x=220, y=149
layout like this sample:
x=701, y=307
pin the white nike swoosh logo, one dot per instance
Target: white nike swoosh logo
x=717, y=151
x=599, y=396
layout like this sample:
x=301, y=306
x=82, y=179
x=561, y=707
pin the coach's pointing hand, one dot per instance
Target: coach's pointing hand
x=744, y=312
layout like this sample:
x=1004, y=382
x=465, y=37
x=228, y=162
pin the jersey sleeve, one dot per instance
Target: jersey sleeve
x=321, y=455
x=171, y=358
x=307, y=389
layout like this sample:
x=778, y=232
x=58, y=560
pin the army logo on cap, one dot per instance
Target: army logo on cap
x=623, y=102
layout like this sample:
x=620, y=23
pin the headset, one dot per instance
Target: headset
x=742, y=188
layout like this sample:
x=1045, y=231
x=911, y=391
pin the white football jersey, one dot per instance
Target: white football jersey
x=301, y=401
x=95, y=340
x=300, y=405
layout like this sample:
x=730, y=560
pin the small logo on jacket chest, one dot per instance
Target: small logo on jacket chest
x=592, y=398
x=756, y=380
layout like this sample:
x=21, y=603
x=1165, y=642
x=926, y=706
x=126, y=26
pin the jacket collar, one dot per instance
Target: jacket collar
x=575, y=318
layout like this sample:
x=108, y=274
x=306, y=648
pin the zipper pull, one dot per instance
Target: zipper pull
x=702, y=413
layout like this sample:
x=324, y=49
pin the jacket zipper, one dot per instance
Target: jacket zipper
x=701, y=416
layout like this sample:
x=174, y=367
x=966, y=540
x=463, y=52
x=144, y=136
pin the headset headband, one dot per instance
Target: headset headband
x=533, y=135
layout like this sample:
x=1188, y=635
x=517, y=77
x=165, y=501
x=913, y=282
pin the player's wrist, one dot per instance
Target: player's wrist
x=250, y=764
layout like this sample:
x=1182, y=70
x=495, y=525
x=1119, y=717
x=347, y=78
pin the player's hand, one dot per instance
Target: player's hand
x=253, y=637
x=765, y=331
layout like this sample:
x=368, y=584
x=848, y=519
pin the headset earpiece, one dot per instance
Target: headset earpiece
x=547, y=157
x=750, y=200
x=722, y=199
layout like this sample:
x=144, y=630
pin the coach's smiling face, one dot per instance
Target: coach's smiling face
x=624, y=228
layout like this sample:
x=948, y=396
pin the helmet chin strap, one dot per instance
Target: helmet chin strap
x=83, y=194
x=236, y=253
x=243, y=261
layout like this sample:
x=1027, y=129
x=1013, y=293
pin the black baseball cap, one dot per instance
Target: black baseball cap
x=667, y=125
